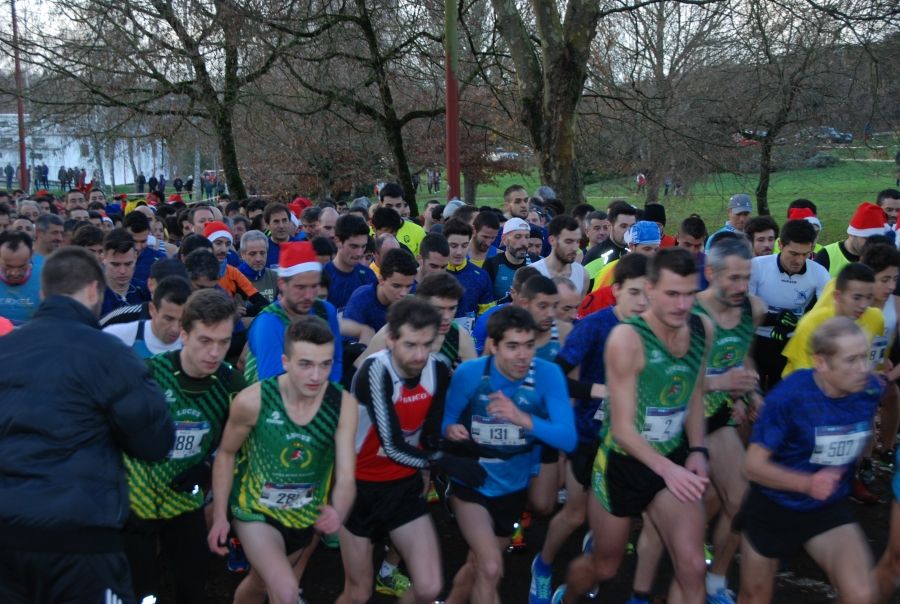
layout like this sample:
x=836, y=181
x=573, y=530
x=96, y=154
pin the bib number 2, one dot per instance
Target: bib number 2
x=662, y=424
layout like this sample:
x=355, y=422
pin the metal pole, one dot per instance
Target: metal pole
x=20, y=102
x=451, y=114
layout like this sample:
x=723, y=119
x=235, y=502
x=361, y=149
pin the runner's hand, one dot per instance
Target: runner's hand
x=684, y=484
x=823, y=483
x=739, y=411
x=784, y=325
x=218, y=537
x=738, y=381
x=697, y=464
x=457, y=432
x=463, y=469
x=502, y=407
x=329, y=520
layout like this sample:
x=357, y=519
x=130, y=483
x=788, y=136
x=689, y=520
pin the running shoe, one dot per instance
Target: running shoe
x=300, y=598
x=860, y=493
x=587, y=546
x=636, y=600
x=432, y=496
x=235, y=559
x=723, y=595
x=708, y=553
x=395, y=584
x=541, y=589
x=558, y=594
x=517, y=541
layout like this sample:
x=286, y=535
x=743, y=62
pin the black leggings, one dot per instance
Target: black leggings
x=181, y=543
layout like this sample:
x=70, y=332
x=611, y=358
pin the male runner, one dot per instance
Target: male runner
x=502, y=267
x=621, y=216
x=297, y=463
x=162, y=331
x=401, y=397
x=565, y=235
x=809, y=436
x=502, y=405
x=731, y=385
x=477, y=291
x=583, y=355
x=299, y=273
x=167, y=520
x=346, y=273
x=652, y=455
x=452, y=345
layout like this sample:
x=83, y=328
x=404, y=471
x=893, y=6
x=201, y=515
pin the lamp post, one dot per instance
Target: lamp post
x=451, y=114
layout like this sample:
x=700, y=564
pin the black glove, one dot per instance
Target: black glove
x=785, y=322
x=197, y=475
x=464, y=469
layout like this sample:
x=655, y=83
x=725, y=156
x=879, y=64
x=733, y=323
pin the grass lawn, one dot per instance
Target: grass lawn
x=836, y=191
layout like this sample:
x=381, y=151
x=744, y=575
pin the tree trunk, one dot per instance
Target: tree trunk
x=558, y=165
x=393, y=131
x=470, y=187
x=228, y=152
x=765, y=169
x=134, y=168
x=112, y=165
x=98, y=163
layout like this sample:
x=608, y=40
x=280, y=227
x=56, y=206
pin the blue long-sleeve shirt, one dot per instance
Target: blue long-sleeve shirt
x=558, y=430
x=266, y=341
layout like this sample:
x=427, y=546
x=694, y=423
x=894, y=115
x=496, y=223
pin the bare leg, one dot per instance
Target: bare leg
x=757, y=575
x=887, y=572
x=264, y=547
x=610, y=538
x=845, y=556
x=681, y=526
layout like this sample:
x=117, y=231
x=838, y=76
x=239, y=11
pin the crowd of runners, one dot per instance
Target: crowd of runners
x=259, y=380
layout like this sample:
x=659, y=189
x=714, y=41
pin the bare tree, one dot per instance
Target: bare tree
x=191, y=59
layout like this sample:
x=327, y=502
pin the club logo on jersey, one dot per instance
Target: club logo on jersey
x=275, y=418
x=656, y=356
x=170, y=396
x=675, y=393
x=724, y=357
x=296, y=455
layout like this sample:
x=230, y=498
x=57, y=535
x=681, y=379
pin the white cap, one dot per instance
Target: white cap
x=516, y=224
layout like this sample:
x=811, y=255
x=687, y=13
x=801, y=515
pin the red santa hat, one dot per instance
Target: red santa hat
x=298, y=205
x=805, y=214
x=297, y=257
x=868, y=220
x=214, y=230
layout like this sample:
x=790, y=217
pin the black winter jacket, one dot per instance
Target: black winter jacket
x=72, y=400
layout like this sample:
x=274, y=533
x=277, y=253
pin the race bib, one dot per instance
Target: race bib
x=662, y=424
x=877, y=351
x=286, y=496
x=466, y=323
x=188, y=438
x=840, y=445
x=496, y=432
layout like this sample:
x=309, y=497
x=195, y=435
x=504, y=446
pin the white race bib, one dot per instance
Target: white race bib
x=840, y=445
x=496, y=432
x=662, y=424
x=877, y=351
x=188, y=438
x=286, y=496
x=466, y=323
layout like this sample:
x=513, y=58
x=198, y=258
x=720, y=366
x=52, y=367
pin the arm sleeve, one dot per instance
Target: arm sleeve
x=431, y=431
x=354, y=310
x=337, y=367
x=374, y=389
x=137, y=411
x=559, y=430
x=266, y=343
x=464, y=382
x=577, y=388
